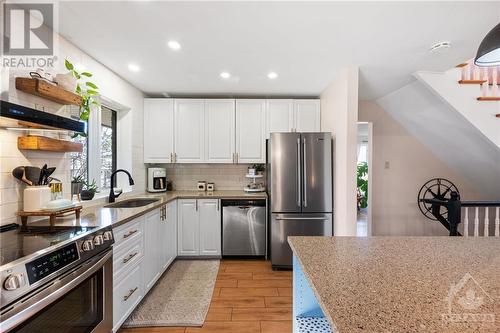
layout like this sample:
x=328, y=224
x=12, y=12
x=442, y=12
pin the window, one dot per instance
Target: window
x=101, y=128
x=108, y=146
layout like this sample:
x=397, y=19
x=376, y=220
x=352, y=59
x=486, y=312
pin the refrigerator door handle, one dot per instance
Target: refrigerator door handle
x=301, y=218
x=299, y=173
x=304, y=172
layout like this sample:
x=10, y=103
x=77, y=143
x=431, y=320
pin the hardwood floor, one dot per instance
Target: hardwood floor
x=249, y=297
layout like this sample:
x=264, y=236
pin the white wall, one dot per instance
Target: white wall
x=410, y=165
x=130, y=129
x=339, y=115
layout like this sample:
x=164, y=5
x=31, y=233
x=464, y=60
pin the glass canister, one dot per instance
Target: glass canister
x=56, y=190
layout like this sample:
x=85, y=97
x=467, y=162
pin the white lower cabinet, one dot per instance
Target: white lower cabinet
x=199, y=223
x=144, y=248
x=168, y=236
x=127, y=293
x=152, y=248
x=188, y=235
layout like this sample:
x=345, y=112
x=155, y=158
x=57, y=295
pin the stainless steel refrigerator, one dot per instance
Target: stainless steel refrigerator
x=299, y=171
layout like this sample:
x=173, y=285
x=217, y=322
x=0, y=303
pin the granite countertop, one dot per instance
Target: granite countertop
x=404, y=284
x=101, y=216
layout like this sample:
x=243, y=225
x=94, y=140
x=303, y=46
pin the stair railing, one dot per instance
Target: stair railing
x=453, y=217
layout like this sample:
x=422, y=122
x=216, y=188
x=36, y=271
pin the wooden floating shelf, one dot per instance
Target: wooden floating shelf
x=488, y=99
x=34, y=142
x=461, y=65
x=48, y=91
x=471, y=81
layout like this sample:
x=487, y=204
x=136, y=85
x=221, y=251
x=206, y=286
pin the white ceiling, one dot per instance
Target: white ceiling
x=306, y=43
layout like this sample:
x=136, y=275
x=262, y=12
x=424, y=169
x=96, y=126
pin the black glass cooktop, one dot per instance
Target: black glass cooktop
x=17, y=241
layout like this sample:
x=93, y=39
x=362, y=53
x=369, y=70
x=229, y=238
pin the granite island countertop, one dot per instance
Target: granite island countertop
x=404, y=284
x=100, y=216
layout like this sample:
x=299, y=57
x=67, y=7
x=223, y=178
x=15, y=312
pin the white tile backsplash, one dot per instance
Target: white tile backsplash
x=225, y=176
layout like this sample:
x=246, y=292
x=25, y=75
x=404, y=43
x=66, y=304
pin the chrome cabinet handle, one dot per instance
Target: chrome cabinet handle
x=299, y=172
x=305, y=173
x=196, y=204
x=125, y=260
x=218, y=208
x=130, y=293
x=130, y=233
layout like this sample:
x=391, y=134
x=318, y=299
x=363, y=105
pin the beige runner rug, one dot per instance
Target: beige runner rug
x=181, y=297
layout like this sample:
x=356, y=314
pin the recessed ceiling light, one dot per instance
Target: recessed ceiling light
x=272, y=75
x=225, y=75
x=133, y=67
x=174, y=45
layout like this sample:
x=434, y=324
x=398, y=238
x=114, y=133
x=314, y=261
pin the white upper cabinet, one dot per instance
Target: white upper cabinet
x=279, y=116
x=250, y=130
x=307, y=115
x=189, y=130
x=219, y=130
x=158, y=130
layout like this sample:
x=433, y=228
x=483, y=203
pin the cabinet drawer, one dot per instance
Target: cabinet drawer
x=129, y=232
x=127, y=293
x=127, y=257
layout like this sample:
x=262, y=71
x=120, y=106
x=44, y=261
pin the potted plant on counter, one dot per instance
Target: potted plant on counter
x=89, y=191
x=76, y=185
x=259, y=168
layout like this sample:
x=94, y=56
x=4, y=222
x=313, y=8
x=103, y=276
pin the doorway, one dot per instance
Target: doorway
x=363, y=179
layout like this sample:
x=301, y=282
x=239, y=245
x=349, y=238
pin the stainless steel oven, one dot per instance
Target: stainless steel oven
x=77, y=299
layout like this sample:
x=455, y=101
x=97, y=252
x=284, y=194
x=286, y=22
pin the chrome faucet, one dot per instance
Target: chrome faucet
x=112, y=194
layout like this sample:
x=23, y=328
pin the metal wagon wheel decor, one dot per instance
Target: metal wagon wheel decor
x=437, y=188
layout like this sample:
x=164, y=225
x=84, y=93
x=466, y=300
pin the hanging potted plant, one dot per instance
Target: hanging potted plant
x=87, y=90
x=89, y=191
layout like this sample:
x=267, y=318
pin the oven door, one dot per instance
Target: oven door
x=80, y=301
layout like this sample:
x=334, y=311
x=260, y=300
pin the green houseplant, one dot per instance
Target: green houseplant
x=87, y=90
x=362, y=183
x=77, y=185
x=259, y=168
x=89, y=191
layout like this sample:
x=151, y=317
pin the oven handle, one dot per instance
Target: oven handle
x=44, y=301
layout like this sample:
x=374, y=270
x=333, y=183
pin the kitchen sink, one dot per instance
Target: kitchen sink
x=132, y=203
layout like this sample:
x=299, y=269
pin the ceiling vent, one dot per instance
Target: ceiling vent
x=440, y=47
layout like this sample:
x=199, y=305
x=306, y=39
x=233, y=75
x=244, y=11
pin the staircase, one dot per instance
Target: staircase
x=454, y=114
x=488, y=78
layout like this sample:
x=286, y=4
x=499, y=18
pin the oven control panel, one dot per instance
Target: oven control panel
x=52, y=262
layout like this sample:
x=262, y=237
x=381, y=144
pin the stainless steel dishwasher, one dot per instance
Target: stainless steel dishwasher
x=244, y=227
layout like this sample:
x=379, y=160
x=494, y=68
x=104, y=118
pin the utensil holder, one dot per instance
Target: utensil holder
x=36, y=198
